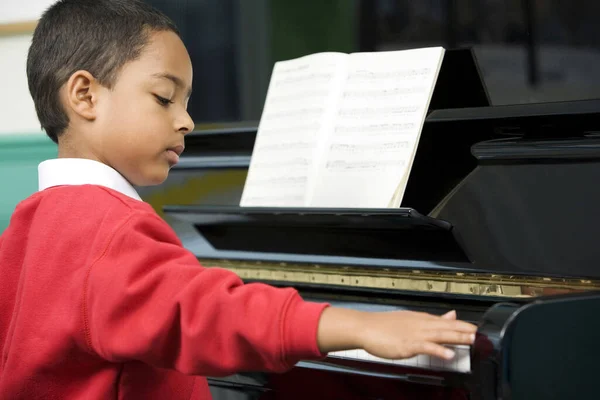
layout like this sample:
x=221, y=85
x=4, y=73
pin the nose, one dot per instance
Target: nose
x=185, y=123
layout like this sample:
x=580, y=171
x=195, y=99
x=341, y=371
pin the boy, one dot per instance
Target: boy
x=98, y=299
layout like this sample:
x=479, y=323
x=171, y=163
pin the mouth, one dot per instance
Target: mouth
x=177, y=149
x=173, y=154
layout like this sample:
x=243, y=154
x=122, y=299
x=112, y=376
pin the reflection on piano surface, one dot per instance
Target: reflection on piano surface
x=506, y=233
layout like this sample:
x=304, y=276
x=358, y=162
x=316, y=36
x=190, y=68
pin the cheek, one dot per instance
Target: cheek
x=135, y=124
x=112, y=112
x=127, y=110
x=125, y=103
x=141, y=114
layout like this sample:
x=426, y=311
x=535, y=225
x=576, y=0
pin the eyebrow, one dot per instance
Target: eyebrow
x=175, y=79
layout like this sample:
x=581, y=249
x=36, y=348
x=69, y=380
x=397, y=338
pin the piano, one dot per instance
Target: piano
x=500, y=221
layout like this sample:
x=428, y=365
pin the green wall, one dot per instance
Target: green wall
x=304, y=27
x=19, y=158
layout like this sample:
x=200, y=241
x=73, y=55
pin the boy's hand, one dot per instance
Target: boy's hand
x=392, y=335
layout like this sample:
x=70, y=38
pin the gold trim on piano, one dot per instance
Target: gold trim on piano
x=471, y=283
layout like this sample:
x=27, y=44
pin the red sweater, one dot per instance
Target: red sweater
x=98, y=299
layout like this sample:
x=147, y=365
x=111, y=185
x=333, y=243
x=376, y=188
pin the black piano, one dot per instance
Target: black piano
x=500, y=221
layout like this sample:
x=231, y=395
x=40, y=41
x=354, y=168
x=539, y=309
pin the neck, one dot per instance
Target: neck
x=70, y=147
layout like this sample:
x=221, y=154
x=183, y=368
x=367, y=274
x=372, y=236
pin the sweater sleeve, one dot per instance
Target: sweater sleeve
x=148, y=299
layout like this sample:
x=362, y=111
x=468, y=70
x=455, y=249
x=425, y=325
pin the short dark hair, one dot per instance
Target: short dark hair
x=98, y=36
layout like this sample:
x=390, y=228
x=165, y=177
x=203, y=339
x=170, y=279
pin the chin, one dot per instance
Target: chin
x=152, y=179
x=156, y=180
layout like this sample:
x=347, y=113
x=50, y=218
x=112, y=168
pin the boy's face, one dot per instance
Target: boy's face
x=140, y=123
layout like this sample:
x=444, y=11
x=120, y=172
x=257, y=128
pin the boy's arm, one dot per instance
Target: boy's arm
x=148, y=299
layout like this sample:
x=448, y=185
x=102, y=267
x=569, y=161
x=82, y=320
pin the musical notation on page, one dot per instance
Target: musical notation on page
x=386, y=112
x=313, y=77
x=384, y=100
x=385, y=93
x=289, y=131
x=374, y=129
x=287, y=164
x=300, y=96
x=341, y=165
x=295, y=130
x=386, y=147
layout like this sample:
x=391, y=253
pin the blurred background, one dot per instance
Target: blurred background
x=528, y=51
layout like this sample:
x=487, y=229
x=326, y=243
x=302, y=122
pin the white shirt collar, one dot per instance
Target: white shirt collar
x=80, y=171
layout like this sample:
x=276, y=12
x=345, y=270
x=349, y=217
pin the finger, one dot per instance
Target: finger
x=454, y=325
x=450, y=315
x=424, y=315
x=450, y=337
x=436, y=350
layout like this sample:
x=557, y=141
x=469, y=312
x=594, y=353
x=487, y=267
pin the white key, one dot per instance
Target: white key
x=460, y=363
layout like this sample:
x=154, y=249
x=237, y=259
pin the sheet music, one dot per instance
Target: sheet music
x=299, y=100
x=376, y=128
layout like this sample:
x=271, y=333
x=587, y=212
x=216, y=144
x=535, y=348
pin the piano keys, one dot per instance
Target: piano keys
x=460, y=363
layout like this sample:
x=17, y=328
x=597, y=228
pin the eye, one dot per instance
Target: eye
x=163, y=102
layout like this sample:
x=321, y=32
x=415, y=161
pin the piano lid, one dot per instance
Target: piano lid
x=351, y=233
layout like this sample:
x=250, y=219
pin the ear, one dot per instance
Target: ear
x=82, y=91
